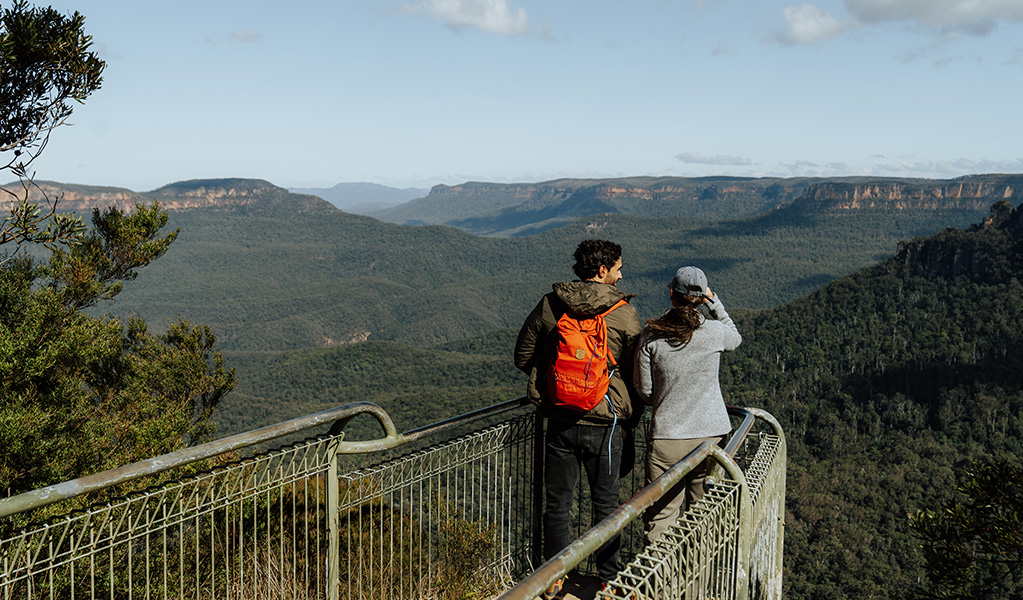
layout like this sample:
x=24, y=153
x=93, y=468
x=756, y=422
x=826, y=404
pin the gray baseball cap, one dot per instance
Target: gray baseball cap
x=690, y=281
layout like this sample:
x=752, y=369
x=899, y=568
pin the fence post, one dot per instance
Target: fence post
x=780, y=491
x=745, y=533
x=538, y=482
x=333, y=519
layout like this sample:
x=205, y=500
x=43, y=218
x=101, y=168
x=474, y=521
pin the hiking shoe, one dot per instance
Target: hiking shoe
x=554, y=591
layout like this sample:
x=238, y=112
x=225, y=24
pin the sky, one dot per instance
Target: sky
x=413, y=93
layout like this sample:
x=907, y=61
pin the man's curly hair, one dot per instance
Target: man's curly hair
x=590, y=255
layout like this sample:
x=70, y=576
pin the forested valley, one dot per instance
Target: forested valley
x=899, y=386
x=890, y=383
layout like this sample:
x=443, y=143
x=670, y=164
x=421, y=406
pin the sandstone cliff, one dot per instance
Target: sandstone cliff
x=517, y=209
x=973, y=192
x=185, y=195
x=975, y=252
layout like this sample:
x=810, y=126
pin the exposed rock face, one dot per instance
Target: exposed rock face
x=978, y=252
x=79, y=198
x=967, y=193
x=1004, y=216
x=636, y=188
x=510, y=209
x=972, y=193
x=186, y=195
x=525, y=208
x=490, y=208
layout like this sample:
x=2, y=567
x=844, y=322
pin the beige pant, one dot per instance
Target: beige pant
x=661, y=456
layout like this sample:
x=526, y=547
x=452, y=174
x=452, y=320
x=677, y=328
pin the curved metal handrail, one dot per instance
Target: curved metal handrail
x=338, y=417
x=419, y=433
x=576, y=552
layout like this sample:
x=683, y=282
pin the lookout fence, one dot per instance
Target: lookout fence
x=449, y=510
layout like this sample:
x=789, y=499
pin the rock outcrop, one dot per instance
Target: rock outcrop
x=978, y=253
x=185, y=195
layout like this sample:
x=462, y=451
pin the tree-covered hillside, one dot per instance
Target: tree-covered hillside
x=269, y=277
x=416, y=386
x=516, y=209
x=79, y=394
x=889, y=382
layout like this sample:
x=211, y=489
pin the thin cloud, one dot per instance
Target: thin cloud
x=722, y=49
x=808, y=168
x=949, y=168
x=800, y=166
x=972, y=17
x=490, y=16
x=808, y=24
x=695, y=158
x=245, y=36
x=949, y=19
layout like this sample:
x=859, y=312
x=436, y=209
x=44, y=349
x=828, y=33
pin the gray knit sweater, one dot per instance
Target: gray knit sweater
x=681, y=382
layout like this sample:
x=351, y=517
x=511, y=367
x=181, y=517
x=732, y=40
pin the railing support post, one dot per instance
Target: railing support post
x=333, y=519
x=538, y=487
x=780, y=551
x=745, y=533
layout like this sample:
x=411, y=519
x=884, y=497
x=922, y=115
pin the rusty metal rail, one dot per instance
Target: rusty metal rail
x=728, y=545
x=454, y=518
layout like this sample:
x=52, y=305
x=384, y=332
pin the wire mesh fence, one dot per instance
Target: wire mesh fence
x=251, y=529
x=456, y=518
x=272, y=525
x=439, y=521
x=712, y=551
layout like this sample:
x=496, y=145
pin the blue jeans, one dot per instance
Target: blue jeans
x=569, y=447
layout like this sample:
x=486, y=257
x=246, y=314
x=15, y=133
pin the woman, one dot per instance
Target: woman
x=676, y=371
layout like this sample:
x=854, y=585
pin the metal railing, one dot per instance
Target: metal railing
x=458, y=517
x=728, y=545
x=292, y=522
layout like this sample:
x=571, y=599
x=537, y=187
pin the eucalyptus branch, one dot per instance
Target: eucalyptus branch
x=26, y=218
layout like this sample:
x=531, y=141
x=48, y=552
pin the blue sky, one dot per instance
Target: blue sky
x=411, y=93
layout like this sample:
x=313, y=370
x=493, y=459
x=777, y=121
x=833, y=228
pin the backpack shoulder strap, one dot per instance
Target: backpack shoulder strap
x=616, y=305
x=600, y=318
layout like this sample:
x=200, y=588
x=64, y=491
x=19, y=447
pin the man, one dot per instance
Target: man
x=577, y=439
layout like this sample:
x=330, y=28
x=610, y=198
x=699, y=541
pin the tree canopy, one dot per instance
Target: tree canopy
x=973, y=545
x=45, y=65
x=45, y=68
x=80, y=393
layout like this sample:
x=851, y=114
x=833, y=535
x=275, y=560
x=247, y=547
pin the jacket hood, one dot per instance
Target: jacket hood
x=587, y=297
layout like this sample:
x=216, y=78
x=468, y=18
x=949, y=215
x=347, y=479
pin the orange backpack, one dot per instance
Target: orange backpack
x=579, y=375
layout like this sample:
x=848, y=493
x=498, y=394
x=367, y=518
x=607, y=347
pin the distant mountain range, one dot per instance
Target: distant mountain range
x=522, y=209
x=180, y=196
x=525, y=209
x=270, y=269
x=363, y=198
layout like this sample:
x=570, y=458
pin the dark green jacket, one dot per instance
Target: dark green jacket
x=535, y=344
